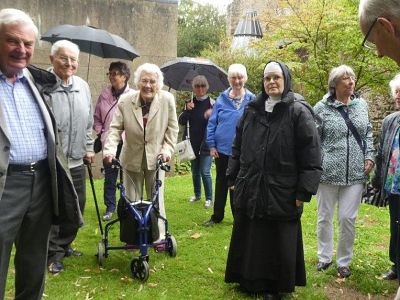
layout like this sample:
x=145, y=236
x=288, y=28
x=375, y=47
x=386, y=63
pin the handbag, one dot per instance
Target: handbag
x=372, y=196
x=183, y=149
x=97, y=146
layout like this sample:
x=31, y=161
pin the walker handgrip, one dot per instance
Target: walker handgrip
x=115, y=163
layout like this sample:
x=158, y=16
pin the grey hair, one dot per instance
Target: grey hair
x=394, y=85
x=64, y=44
x=9, y=16
x=336, y=74
x=237, y=70
x=200, y=79
x=149, y=68
x=369, y=10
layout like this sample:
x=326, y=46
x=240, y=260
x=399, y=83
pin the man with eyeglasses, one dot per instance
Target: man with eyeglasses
x=31, y=166
x=380, y=23
x=72, y=106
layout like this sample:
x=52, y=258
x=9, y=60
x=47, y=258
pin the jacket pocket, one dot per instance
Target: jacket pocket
x=281, y=196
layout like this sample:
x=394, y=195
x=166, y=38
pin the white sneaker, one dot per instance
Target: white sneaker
x=107, y=216
x=208, y=204
x=193, y=199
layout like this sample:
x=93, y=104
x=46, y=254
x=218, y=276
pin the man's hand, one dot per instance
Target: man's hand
x=88, y=158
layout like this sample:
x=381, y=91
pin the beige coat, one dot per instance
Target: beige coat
x=159, y=137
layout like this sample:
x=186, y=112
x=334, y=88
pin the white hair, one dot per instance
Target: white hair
x=151, y=69
x=200, y=79
x=64, y=44
x=336, y=74
x=237, y=70
x=9, y=16
x=369, y=10
x=394, y=85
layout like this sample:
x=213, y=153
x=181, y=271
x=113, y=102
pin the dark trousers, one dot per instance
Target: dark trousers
x=394, y=246
x=62, y=235
x=110, y=181
x=25, y=219
x=221, y=188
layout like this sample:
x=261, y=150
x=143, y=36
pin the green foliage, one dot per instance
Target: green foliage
x=182, y=167
x=199, y=26
x=311, y=37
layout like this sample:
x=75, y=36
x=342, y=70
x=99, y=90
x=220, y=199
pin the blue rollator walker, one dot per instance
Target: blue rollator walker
x=138, y=226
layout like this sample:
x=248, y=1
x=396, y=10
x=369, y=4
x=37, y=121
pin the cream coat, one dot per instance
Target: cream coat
x=160, y=136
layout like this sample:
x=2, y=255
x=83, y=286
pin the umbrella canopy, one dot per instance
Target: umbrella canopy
x=92, y=40
x=179, y=73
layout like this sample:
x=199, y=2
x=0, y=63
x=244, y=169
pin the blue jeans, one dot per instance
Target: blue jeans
x=201, y=170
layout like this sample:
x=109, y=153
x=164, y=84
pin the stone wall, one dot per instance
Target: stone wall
x=150, y=26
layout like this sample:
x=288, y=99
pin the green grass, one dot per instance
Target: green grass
x=198, y=270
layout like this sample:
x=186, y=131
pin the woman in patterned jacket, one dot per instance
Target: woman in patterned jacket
x=347, y=158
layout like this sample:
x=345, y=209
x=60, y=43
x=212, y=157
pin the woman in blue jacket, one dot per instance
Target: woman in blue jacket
x=221, y=127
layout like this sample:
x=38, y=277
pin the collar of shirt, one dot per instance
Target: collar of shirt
x=20, y=76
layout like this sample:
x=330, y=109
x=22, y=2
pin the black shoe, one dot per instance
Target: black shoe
x=323, y=266
x=210, y=223
x=270, y=296
x=72, y=252
x=389, y=275
x=344, y=272
x=56, y=267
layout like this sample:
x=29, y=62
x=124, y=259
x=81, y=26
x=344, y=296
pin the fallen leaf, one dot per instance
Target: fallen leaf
x=196, y=235
x=140, y=288
x=114, y=270
x=211, y=271
x=340, y=280
x=152, y=285
x=85, y=277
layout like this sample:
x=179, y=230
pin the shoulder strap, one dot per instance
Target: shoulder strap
x=351, y=127
x=105, y=118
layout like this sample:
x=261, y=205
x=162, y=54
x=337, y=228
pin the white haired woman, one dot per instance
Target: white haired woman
x=387, y=176
x=348, y=157
x=221, y=126
x=197, y=112
x=148, y=117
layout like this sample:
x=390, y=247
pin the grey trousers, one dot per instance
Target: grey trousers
x=25, y=219
x=62, y=235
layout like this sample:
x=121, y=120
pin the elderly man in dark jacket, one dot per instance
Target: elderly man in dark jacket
x=274, y=168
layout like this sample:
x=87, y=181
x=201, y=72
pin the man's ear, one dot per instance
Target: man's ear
x=51, y=58
x=387, y=25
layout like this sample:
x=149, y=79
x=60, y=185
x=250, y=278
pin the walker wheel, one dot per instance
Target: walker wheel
x=172, y=246
x=140, y=269
x=100, y=254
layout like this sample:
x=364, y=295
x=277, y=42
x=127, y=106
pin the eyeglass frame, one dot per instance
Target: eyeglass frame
x=365, y=41
x=201, y=85
x=114, y=73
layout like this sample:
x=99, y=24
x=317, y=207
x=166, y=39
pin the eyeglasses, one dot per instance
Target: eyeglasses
x=367, y=44
x=113, y=74
x=146, y=81
x=197, y=86
x=68, y=59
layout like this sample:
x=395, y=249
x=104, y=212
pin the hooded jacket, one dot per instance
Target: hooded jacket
x=276, y=156
x=342, y=158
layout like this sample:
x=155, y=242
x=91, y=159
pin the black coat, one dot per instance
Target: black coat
x=276, y=159
x=198, y=125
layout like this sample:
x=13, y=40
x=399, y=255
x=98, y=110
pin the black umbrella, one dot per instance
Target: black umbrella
x=92, y=40
x=179, y=73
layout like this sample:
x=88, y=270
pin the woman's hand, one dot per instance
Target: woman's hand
x=368, y=165
x=107, y=160
x=214, y=152
x=189, y=105
x=207, y=113
x=299, y=203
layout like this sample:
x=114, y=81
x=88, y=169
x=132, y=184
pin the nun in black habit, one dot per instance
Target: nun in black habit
x=275, y=167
